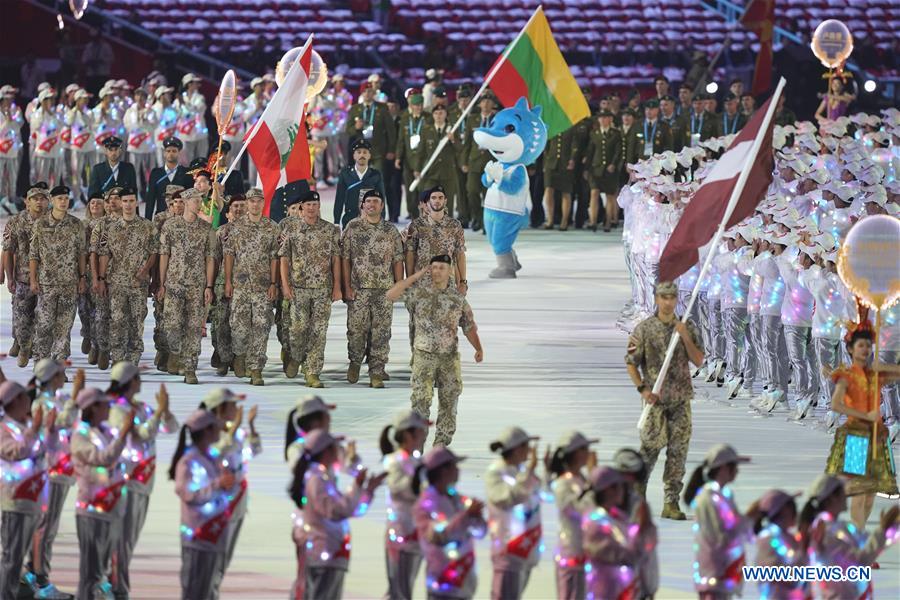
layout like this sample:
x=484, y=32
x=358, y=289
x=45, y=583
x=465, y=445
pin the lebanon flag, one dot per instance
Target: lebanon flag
x=711, y=204
x=277, y=143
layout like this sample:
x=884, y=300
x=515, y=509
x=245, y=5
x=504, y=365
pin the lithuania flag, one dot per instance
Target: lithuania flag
x=535, y=68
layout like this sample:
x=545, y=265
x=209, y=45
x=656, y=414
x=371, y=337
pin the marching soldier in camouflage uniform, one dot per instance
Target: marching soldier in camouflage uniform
x=86, y=309
x=283, y=305
x=16, y=248
x=603, y=160
x=563, y=152
x=128, y=248
x=461, y=145
x=113, y=209
x=220, y=313
x=251, y=268
x=439, y=309
x=174, y=208
x=187, y=247
x=443, y=172
x=476, y=161
x=410, y=152
x=372, y=261
x=668, y=424
x=311, y=279
x=57, y=265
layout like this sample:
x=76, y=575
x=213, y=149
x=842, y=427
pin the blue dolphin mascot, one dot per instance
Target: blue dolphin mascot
x=516, y=137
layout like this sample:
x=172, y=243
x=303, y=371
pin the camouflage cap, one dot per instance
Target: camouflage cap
x=36, y=191
x=666, y=288
x=191, y=194
x=171, y=190
x=113, y=191
x=254, y=193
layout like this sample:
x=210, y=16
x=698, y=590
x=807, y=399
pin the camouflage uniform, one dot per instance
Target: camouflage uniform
x=372, y=250
x=86, y=306
x=56, y=246
x=187, y=245
x=426, y=239
x=17, y=242
x=438, y=313
x=221, y=311
x=669, y=421
x=310, y=250
x=282, y=304
x=101, y=303
x=159, y=340
x=128, y=244
x=254, y=246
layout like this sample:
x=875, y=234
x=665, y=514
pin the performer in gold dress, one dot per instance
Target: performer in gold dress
x=867, y=467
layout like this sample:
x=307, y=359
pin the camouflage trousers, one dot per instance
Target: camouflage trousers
x=310, y=311
x=54, y=318
x=370, y=316
x=183, y=316
x=433, y=370
x=220, y=314
x=24, y=304
x=86, y=315
x=128, y=309
x=159, y=340
x=668, y=426
x=100, y=324
x=251, y=319
x=283, y=324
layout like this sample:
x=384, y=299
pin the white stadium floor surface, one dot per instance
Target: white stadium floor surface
x=553, y=361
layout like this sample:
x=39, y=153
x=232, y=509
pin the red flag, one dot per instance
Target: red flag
x=278, y=144
x=759, y=17
x=707, y=207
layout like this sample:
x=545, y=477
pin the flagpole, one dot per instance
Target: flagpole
x=258, y=124
x=465, y=113
x=732, y=202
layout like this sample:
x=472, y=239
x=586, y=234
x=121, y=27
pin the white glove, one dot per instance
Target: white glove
x=494, y=171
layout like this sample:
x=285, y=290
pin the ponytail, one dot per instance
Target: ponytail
x=698, y=478
x=384, y=442
x=297, y=490
x=117, y=388
x=416, y=484
x=808, y=514
x=758, y=523
x=290, y=434
x=558, y=462
x=32, y=388
x=179, y=451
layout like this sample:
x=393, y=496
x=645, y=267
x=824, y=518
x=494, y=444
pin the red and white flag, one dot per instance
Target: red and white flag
x=277, y=144
x=748, y=158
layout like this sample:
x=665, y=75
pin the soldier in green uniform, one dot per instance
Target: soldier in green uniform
x=443, y=171
x=57, y=262
x=563, y=152
x=603, y=160
x=371, y=121
x=128, y=248
x=476, y=161
x=93, y=215
x=187, y=247
x=461, y=147
x=700, y=124
x=251, y=269
x=668, y=422
x=220, y=313
x=410, y=155
x=676, y=124
x=631, y=153
x=174, y=208
x=439, y=311
x=310, y=255
x=16, y=248
x=653, y=135
x=731, y=120
x=100, y=294
x=581, y=194
x=784, y=116
x=283, y=305
x=371, y=262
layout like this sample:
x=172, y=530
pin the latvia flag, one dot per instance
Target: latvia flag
x=728, y=195
x=277, y=143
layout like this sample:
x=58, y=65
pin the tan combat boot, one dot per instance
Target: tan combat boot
x=671, y=511
x=173, y=365
x=385, y=376
x=24, y=355
x=222, y=369
x=163, y=361
x=14, y=349
x=376, y=381
x=353, y=373
x=291, y=368
x=92, y=356
x=256, y=377
x=239, y=366
x=103, y=361
x=85, y=346
x=313, y=381
x=190, y=377
x=214, y=360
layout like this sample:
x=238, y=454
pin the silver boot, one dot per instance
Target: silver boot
x=506, y=267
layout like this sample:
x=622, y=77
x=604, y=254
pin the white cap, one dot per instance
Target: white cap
x=90, y=396
x=574, y=440
x=44, y=95
x=220, y=396
x=163, y=89
x=312, y=404
x=723, y=454
x=72, y=88
x=123, y=372
x=189, y=78
x=200, y=419
x=512, y=437
x=9, y=391
x=82, y=94
x=47, y=368
x=410, y=420
x=824, y=486
x=318, y=440
x=104, y=92
x=256, y=81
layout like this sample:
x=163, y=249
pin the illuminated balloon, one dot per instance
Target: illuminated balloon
x=223, y=108
x=832, y=43
x=869, y=260
x=78, y=8
x=318, y=71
